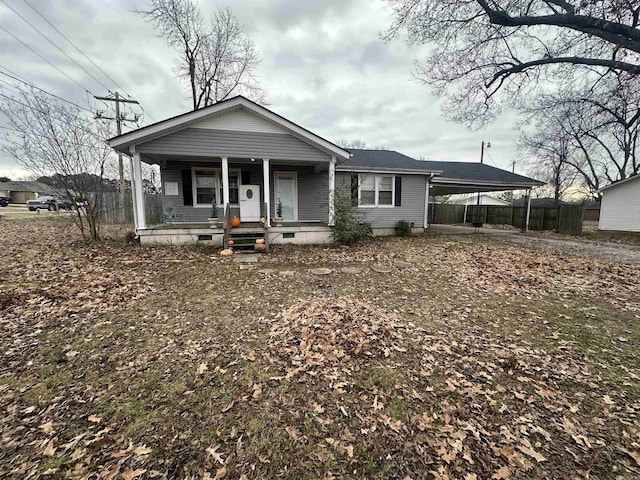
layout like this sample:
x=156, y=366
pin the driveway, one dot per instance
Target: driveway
x=607, y=251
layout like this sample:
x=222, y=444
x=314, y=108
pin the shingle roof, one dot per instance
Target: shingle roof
x=464, y=171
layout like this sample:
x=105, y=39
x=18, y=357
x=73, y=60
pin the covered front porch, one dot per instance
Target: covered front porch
x=282, y=201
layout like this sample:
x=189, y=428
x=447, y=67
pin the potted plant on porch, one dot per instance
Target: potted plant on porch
x=278, y=220
x=214, y=220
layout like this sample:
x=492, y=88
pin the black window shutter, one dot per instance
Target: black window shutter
x=398, y=199
x=246, y=178
x=354, y=188
x=187, y=185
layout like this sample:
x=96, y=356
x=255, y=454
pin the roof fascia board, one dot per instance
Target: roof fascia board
x=388, y=170
x=456, y=181
x=618, y=183
x=184, y=121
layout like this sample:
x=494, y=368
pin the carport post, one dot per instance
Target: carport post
x=426, y=202
x=526, y=223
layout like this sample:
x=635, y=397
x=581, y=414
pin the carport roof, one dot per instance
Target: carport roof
x=454, y=177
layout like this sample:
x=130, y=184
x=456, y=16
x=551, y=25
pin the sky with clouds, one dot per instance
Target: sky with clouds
x=323, y=66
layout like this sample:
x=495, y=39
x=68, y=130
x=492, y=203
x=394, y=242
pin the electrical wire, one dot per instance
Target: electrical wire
x=89, y=145
x=85, y=56
x=52, y=43
x=77, y=48
x=38, y=88
x=52, y=116
x=46, y=60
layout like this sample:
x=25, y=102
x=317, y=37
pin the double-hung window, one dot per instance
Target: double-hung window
x=206, y=186
x=376, y=190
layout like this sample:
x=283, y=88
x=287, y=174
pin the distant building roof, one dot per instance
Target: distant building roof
x=25, y=186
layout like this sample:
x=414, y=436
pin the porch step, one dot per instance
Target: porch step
x=245, y=239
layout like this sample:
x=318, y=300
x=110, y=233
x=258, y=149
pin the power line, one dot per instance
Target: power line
x=52, y=116
x=49, y=62
x=38, y=88
x=4, y=127
x=52, y=43
x=84, y=55
x=76, y=47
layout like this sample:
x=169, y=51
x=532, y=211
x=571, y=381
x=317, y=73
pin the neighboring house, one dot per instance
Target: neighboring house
x=21, y=192
x=245, y=158
x=619, y=207
x=484, y=200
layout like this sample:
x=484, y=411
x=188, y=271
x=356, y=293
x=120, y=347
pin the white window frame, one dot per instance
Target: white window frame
x=218, y=175
x=376, y=181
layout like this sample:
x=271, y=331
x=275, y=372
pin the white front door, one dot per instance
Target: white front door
x=286, y=192
x=250, y=203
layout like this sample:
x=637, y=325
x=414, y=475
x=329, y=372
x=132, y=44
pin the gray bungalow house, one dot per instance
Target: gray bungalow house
x=279, y=178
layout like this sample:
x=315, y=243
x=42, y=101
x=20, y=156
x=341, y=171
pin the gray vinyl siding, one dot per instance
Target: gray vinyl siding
x=411, y=208
x=205, y=142
x=313, y=191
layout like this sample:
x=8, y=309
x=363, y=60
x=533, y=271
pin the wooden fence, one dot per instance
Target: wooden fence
x=565, y=219
x=117, y=208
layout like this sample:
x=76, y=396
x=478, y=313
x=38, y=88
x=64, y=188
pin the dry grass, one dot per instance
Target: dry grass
x=481, y=358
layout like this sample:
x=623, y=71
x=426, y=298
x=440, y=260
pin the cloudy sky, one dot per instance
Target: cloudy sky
x=323, y=66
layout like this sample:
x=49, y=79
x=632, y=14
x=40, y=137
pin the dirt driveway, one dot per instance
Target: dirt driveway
x=601, y=250
x=604, y=251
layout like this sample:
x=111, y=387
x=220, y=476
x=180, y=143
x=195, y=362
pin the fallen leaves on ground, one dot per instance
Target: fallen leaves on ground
x=479, y=360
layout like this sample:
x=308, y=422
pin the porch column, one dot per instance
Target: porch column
x=139, y=194
x=332, y=190
x=225, y=183
x=266, y=190
x=133, y=195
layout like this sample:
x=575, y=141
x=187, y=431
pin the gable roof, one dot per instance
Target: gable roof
x=448, y=172
x=620, y=182
x=185, y=120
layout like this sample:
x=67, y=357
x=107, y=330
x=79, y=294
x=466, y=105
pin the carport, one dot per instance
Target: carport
x=452, y=178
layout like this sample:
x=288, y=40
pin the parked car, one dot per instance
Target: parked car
x=4, y=201
x=49, y=202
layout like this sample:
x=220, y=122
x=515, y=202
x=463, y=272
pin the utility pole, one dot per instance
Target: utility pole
x=119, y=119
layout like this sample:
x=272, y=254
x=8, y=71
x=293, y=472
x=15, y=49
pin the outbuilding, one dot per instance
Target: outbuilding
x=620, y=206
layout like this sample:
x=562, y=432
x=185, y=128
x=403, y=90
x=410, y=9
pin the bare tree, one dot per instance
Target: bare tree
x=599, y=138
x=486, y=52
x=55, y=139
x=549, y=149
x=216, y=57
x=344, y=143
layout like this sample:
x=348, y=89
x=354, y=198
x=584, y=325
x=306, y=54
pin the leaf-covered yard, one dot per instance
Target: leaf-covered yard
x=471, y=359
